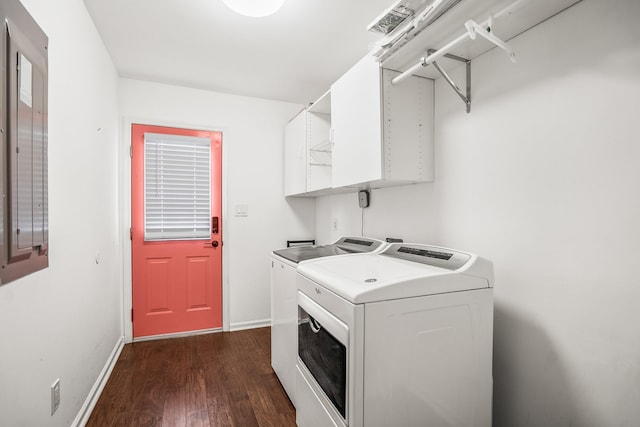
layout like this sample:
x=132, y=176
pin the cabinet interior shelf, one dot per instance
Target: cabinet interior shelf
x=322, y=147
x=320, y=164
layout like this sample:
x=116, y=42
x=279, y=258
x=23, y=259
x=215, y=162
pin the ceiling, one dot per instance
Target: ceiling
x=293, y=55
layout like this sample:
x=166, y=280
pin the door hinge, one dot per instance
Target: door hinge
x=132, y=315
x=130, y=233
x=131, y=151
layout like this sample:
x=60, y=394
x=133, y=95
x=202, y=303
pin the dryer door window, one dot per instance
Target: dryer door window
x=325, y=357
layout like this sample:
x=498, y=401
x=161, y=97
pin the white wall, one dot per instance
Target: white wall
x=64, y=322
x=542, y=177
x=252, y=175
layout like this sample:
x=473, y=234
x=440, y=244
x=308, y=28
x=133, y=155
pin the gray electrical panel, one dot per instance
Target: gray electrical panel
x=24, y=225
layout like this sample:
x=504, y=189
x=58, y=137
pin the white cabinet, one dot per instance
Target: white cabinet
x=382, y=133
x=284, y=324
x=308, y=150
x=364, y=132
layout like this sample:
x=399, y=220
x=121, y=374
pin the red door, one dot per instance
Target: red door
x=176, y=230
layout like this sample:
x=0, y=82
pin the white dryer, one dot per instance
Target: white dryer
x=400, y=338
x=284, y=312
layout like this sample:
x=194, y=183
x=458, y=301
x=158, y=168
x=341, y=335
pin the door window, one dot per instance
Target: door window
x=177, y=187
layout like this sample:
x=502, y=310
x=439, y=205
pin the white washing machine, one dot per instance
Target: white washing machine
x=284, y=311
x=400, y=338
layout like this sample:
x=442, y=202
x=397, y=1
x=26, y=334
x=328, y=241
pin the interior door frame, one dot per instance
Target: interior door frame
x=124, y=172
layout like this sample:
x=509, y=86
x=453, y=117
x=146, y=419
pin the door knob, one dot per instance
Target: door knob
x=215, y=243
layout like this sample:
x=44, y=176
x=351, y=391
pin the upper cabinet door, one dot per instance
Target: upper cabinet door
x=356, y=123
x=295, y=155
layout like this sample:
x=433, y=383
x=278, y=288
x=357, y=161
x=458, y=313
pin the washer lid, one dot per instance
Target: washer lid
x=344, y=245
x=400, y=271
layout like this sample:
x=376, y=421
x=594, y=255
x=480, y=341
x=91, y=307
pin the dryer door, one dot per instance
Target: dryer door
x=322, y=349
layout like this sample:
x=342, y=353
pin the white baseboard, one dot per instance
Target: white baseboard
x=249, y=325
x=177, y=335
x=98, y=386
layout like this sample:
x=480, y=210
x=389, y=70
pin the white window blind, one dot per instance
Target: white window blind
x=177, y=187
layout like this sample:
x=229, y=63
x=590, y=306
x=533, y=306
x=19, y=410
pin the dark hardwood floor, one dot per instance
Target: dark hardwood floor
x=219, y=379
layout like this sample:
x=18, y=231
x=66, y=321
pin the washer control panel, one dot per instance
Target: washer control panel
x=430, y=255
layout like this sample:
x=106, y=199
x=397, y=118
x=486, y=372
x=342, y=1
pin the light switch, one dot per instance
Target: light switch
x=242, y=210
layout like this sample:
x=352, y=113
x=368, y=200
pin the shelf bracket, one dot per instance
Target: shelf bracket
x=466, y=97
x=473, y=29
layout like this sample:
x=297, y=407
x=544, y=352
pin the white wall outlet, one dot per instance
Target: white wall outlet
x=55, y=396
